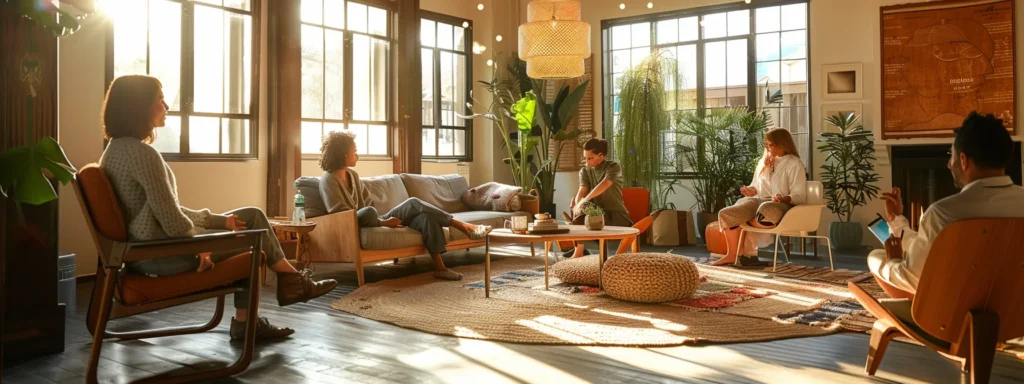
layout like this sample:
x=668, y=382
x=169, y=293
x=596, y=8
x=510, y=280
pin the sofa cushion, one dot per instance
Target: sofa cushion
x=386, y=191
x=444, y=191
x=383, y=238
x=493, y=196
x=309, y=187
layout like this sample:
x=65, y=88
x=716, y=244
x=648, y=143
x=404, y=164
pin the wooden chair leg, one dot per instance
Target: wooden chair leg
x=983, y=330
x=395, y=262
x=881, y=334
x=106, y=298
x=359, y=272
x=218, y=314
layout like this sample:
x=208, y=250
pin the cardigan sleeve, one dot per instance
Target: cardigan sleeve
x=333, y=194
x=152, y=173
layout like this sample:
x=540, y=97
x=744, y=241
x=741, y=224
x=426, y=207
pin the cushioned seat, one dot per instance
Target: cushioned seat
x=134, y=289
x=650, y=277
x=580, y=270
x=381, y=238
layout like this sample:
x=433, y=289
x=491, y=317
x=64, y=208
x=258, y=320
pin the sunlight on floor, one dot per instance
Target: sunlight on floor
x=479, y=361
x=657, y=323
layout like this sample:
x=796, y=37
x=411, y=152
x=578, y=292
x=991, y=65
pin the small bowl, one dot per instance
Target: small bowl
x=542, y=216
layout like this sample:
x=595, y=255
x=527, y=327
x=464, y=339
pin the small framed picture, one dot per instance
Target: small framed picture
x=842, y=81
x=839, y=109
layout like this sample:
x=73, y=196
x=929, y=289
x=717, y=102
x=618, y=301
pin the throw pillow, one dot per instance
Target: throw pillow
x=309, y=187
x=493, y=196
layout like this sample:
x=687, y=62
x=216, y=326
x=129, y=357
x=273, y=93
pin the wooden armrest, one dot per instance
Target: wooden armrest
x=212, y=242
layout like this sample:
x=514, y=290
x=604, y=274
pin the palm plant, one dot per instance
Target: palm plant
x=554, y=122
x=714, y=155
x=847, y=175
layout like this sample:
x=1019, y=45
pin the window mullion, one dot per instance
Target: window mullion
x=347, y=96
x=436, y=57
x=187, y=72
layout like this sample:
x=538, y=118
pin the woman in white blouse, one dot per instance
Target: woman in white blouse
x=779, y=183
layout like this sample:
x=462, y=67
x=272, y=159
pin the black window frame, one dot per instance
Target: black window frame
x=187, y=82
x=467, y=51
x=390, y=93
x=607, y=96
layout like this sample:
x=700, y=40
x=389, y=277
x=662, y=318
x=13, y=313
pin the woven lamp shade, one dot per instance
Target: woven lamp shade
x=554, y=42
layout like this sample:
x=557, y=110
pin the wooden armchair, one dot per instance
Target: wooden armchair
x=969, y=297
x=118, y=294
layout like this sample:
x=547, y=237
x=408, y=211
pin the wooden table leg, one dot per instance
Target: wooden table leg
x=815, y=244
x=600, y=266
x=532, y=252
x=487, y=268
x=547, y=246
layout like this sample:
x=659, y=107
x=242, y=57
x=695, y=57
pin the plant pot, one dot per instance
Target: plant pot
x=594, y=223
x=703, y=219
x=845, y=235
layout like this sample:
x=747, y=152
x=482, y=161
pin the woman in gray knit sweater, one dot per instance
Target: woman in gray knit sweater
x=146, y=188
x=342, y=190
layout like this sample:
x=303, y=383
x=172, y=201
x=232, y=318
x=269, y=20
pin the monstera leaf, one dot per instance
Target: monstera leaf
x=22, y=171
x=524, y=109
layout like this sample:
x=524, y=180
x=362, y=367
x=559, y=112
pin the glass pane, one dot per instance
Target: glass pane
x=620, y=61
x=794, y=83
x=203, y=134
x=620, y=37
x=222, y=61
x=794, y=16
x=768, y=46
x=378, y=21
x=239, y=4
x=668, y=31
x=769, y=72
x=312, y=11
x=714, y=25
x=638, y=54
x=360, y=131
x=129, y=37
x=617, y=81
x=165, y=63
x=427, y=91
x=444, y=36
x=429, y=142
x=794, y=44
x=687, y=96
x=334, y=74
x=333, y=127
x=714, y=65
x=312, y=72
x=214, y=2
x=767, y=19
x=447, y=89
x=428, y=36
x=356, y=17
x=334, y=13
x=460, y=142
x=234, y=136
x=460, y=38
x=377, y=134
x=688, y=28
x=641, y=34
x=370, y=78
x=168, y=137
x=445, y=142
x=459, y=105
x=739, y=22
x=795, y=120
x=794, y=71
x=311, y=136
x=737, y=76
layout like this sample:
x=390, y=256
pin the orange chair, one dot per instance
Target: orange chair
x=117, y=294
x=638, y=203
x=968, y=299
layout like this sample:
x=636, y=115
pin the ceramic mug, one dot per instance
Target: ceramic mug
x=518, y=224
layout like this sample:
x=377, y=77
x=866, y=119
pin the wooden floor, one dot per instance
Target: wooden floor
x=332, y=346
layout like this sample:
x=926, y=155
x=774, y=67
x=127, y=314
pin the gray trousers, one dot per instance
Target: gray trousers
x=253, y=217
x=417, y=214
x=764, y=210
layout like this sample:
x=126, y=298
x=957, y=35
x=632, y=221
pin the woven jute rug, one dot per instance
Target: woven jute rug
x=731, y=305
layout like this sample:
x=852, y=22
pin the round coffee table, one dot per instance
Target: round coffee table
x=576, y=233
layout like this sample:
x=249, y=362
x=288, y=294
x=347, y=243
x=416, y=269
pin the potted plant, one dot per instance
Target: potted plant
x=553, y=130
x=847, y=176
x=594, y=216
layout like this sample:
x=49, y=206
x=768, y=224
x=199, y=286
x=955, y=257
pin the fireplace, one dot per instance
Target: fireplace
x=921, y=173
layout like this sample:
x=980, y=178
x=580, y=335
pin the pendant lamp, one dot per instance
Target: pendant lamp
x=554, y=42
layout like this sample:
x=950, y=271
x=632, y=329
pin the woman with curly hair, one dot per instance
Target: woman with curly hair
x=342, y=190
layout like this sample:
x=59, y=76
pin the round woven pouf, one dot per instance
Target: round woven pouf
x=650, y=277
x=580, y=270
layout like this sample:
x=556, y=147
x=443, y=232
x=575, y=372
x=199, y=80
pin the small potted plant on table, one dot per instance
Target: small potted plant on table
x=595, y=216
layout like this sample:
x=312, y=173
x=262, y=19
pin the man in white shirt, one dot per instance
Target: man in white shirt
x=981, y=150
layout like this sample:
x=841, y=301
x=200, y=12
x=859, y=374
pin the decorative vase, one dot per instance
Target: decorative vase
x=594, y=223
x=845, y=235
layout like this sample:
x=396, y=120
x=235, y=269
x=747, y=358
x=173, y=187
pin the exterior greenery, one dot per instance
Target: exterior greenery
x=847, y=174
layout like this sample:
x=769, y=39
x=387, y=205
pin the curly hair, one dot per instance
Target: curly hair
x=335, y=148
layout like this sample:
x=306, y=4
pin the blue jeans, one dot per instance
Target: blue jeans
x=417, y=214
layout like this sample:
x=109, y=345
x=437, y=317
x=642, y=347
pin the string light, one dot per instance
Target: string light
x=746, y=1
x=465, y=24
x=498, y=38
x=651, y=5
x=490, y=62
x=622, y=5
x=480, y=7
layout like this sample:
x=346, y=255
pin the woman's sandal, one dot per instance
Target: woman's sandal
x=480, y=233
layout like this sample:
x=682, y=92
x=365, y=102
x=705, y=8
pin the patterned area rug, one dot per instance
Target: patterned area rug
x=731, y=305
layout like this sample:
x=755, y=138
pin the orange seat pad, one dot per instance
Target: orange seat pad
x=138, y=289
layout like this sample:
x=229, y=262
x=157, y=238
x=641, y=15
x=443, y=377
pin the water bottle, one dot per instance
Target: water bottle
x=299, y=215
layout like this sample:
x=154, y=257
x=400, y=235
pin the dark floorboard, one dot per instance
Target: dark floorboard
x=333, y=346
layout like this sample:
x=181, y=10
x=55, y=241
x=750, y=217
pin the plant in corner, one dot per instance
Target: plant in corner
x=594, y=216
x=847, y=176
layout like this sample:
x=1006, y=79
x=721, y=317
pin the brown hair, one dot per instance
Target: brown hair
x=597, y=146
x=780, y=137
x=335, y=148
x=127, y=107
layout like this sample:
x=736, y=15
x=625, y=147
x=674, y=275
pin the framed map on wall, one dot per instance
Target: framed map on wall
x=943, y=59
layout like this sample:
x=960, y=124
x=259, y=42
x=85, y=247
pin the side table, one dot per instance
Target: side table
x=289, y=232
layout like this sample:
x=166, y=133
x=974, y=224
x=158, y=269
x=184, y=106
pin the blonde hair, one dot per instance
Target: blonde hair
x=780, y=137
x=127, y=107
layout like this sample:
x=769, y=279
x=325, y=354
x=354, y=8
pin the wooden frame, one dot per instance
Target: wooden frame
x=842, y=81
x=467, y=52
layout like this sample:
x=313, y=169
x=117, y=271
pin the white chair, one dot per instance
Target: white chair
x=798, y=222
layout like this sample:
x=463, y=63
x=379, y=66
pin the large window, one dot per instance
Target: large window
x=346, y=68
x=447, y=77
x=725, y=57
x=202, y=52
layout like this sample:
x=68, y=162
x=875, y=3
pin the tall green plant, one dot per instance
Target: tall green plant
x=847, y=174
x=643, y=121
x=553, y=131
x=713, y=155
